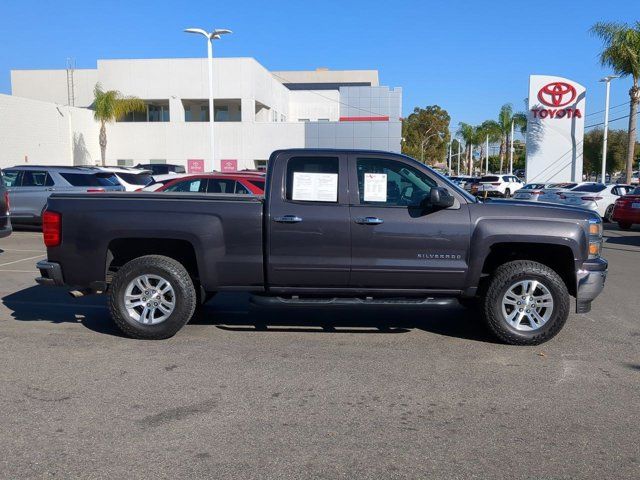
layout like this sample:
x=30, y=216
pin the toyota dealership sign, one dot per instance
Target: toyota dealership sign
x=555, y=129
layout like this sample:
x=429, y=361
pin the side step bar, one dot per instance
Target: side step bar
x=295, y=300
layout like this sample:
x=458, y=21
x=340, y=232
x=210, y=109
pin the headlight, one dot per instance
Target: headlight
x=595, y=237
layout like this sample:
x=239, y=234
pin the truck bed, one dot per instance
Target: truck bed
x=224, y=232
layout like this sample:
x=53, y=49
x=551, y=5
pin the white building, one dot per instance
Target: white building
x=47, y=119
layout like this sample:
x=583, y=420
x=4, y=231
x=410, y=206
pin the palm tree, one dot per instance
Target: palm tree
x=491, y=129
x=469, y=134
x=110, y=106
x=621, y=52
x=503, y=127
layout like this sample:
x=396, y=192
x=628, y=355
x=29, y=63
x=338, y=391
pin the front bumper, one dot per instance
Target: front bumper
x=590, y=282
x=51, y=273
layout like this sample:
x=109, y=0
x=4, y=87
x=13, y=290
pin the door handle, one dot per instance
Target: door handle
x=287, y=219
x=369, y=220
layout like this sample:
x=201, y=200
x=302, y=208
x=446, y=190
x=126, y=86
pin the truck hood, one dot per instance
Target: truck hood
x=523, y=209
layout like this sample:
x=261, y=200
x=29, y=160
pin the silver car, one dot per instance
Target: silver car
x=30, y=186
x=531, y=192
x=553, y=191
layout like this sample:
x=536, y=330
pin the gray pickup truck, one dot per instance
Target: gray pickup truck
x=334, y=227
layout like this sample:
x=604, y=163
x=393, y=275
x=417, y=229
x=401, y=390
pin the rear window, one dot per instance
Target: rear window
x=490, y=179
x=636, y=191
x=591, y=188
x=142, y=179
x=562, y=185
x=91, y=179
x=533, y=186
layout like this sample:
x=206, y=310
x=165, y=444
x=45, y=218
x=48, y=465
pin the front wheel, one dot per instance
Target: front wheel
x=152, y=297
x=526, y=303
x=507, y=193
x=624, y=225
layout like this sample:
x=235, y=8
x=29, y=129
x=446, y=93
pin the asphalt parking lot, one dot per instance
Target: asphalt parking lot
x=240, y=393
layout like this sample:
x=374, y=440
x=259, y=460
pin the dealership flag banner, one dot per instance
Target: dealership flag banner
x=555, y=130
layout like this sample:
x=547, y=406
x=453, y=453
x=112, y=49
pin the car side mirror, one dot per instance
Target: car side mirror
x=438, y=198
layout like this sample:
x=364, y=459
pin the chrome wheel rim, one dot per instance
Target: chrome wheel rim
x=149, y=299
x=527, y=305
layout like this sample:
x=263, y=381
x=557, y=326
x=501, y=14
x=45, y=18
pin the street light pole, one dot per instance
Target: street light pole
x=459, y=154
x=607, y=81
x=449, y=162
x=511, y=150
x=211, y=36
x=487, y=156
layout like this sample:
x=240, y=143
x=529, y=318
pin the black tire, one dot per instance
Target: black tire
x=624, y=225
x=502, y=279
x=608, y=213
x=171, y=271
x=507, y=193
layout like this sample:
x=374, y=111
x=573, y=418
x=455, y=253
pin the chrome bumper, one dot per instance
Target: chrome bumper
x=590, y=282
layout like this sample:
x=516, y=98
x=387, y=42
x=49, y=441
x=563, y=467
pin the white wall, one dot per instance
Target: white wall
x=314, y=104
x=51, y=85
x=35, y=132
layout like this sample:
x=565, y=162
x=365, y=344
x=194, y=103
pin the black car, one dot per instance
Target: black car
x=5, y=221
x=162, y=168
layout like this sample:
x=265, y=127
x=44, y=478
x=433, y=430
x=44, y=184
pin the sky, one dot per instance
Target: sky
x=467, y=57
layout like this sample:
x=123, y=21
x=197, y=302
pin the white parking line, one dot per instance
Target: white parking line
x=23, y=260
x=20, y=271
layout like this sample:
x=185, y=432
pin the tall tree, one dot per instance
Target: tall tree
x=469, y=134
x=503, y=125
x=491, y=129
x=621, y=52
x=109, y=106
x=616, y=151
x=425, y=134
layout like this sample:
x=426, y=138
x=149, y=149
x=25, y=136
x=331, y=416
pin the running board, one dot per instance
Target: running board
x=295, y=300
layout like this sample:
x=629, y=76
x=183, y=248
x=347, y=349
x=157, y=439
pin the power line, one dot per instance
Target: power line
x=611, y=108
x=610, y=121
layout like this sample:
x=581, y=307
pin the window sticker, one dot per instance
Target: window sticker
x=315, y=187
x=375, y=187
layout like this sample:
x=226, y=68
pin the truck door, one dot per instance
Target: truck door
x=308, y=222
x=396, y=243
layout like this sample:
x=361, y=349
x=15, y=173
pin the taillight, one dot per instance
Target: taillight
x=6, y=201
x=95, y=190
x=51, y=228
x=591, y=199
x=535, y=192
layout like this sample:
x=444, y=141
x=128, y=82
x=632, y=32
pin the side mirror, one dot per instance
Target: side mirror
x=438, y=198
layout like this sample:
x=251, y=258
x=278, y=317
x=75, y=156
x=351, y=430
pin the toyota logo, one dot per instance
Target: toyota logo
x=557, y=94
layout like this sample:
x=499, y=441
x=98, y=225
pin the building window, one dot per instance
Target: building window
x=260, y=164
x=125, y=162
x=305, y=120
x=323, y=119
x=224, y=110
x=155, y=111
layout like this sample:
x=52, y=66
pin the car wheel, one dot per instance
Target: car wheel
x=624, y=226
x=152, y=297
x=507, y=193
x=526, y=303
x=608, y=213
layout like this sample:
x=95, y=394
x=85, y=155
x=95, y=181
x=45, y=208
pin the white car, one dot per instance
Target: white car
x=499, y=185
x=553, y=191
x=596, y=197
x=132, y=179
x=531, y=192
x=158, y=181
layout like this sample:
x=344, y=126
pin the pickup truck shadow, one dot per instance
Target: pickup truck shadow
x=232, y=312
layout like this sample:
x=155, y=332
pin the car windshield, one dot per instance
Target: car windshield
x=91, y=179
x=489, y=179
x=141, y=179
x=590, y=188
x=562, y=185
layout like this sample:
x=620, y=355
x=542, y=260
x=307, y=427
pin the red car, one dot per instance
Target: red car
x=240, y=183
x=627, y=209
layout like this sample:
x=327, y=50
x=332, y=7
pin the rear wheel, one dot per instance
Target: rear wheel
x=507, y=193
x=152, y=297
x=608, y=213
x=526, y=303
x=624, y=225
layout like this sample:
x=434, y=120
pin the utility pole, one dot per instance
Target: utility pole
x=487, y=156
x=449, y=162
x=459, y=154
x=511, y=150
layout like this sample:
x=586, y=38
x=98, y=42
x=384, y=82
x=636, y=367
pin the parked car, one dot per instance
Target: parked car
x=245, y=184
x=337, y=227
x=519, y=172
x=157, y=181
x=131, y=179
x=5, y=220
x=30, y=186
x=635, y=178
x=627, y=209
x=531, y=192
x=499, y=185
x=162, y=168
x=553, y=191
x=597, y=197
